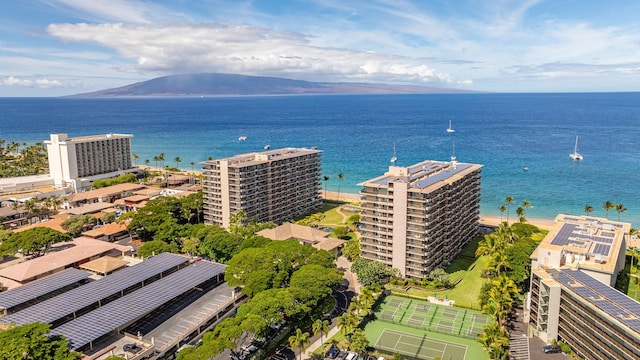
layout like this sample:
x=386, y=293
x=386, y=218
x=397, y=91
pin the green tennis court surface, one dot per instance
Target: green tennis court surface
x=419, y=347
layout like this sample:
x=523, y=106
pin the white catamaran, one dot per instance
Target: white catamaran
x=575, y=156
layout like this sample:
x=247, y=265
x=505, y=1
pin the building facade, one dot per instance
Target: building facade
x=276, y=185
x=571, y=297
x=418, y=218
x=79, y=161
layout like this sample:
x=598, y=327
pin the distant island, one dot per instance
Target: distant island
x=215, y=84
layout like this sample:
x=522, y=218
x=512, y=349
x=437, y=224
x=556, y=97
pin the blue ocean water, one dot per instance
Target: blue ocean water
x=357, y=133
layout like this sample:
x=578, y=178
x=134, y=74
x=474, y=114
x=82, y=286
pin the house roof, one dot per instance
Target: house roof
x=104, y=265
x=105, y=191
x=109, y=229
x=288, y=231
x=329, y=244
x=54, y=224
x=79, y=249
x=88, y=208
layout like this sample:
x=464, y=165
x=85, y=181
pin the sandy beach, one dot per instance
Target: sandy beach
x=487, y=220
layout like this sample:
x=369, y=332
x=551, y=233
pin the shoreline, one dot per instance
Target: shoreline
x=485, y=219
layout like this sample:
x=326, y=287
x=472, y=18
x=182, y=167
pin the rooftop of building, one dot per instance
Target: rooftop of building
x=105, y=192
x=317, y=238
x=586, y=242
x=616, y=305
x=426, y=176
x=254, y=158
x=67, y=254
x=106, y=230
x=63, y=137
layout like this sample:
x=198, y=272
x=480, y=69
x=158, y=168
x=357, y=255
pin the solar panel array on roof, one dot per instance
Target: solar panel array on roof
x=614, y=303
x=602, y=249
x=131, y=307
x=71, y=301
x=608, y=234
x=41, y=287
x=562, y=237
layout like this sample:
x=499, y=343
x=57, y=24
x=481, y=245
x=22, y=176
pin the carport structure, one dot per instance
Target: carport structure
x=83, y=331
x=21, y=297
x=74, y=303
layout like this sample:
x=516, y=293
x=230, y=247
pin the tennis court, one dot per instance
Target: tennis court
x=418, y=347
x=432, y=317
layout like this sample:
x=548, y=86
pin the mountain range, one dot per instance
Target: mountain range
x=216, y=84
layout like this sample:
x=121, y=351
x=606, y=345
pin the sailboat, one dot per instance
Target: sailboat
x=394, y=158
x=450, y=129
x=575, y=156
x=242, y=137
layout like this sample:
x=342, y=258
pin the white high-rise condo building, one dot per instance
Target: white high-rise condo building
x=80, y=161
x=276, y=185
x=418, y=218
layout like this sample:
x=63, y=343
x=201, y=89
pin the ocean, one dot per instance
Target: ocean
x=358, y=133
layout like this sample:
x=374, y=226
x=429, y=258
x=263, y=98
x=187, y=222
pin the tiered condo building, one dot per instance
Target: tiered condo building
x=418, y=218
x=572, y=298
x=80, y=161
x=276, y=185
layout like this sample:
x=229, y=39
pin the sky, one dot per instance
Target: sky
x=63, y=47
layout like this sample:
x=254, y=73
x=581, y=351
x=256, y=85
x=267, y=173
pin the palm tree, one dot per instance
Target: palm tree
x=520, y=211
x=506, y=234
x=608, y=205
x=340, y=178
x=161, y=157
x=320, y=327
x=156, y=159
x=136, y=157
x=499, y=261
x=620, y=209
x=299, y=340
x=502, y=209
x=508, y=201
x=488, y=245
x=346, y=323
x=588, y=209
x=326, y=178
x=633, y=232
x=495, y=341
x=177, y=160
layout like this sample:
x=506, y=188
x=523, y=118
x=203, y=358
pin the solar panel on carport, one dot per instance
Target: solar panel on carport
x=41, y=287
x=71, y=301
x=131, y=307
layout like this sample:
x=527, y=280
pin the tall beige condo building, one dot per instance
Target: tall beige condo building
x=418, y=218
x=81, y=160
x=276, y=185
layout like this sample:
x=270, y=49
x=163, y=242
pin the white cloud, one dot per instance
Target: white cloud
x=245, y=50
x=39, y=83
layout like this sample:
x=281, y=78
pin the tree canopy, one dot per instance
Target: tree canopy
x=370, y=272
x=33, y=342
x=32, y=241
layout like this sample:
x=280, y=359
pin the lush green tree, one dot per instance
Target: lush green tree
x=351, y=250
x=317, y=280
x=156, y=247
x=33, y=342
x=440, y=277
x=299, y=340
x=588, y=209
x=495, y=341
x=502, y=209
x=370, y=272
x=165, y=218
x=499, y=262
x=608, y=205
x=177, y=160
x=359, y=341
x=489, y=244
x=32, y=241
x=75, y=225
x=508, y=201
x=518, y=256
x=347, y=323
x=620, y=209
x=341, y=232
x=320, y=327
x=124, y=178
x=340, y=178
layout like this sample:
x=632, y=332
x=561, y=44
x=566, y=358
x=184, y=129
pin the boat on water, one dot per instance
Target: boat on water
x=394, y=158
x=575, y=156
x=267, y=147
x=450, y=129
x=526, y=168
